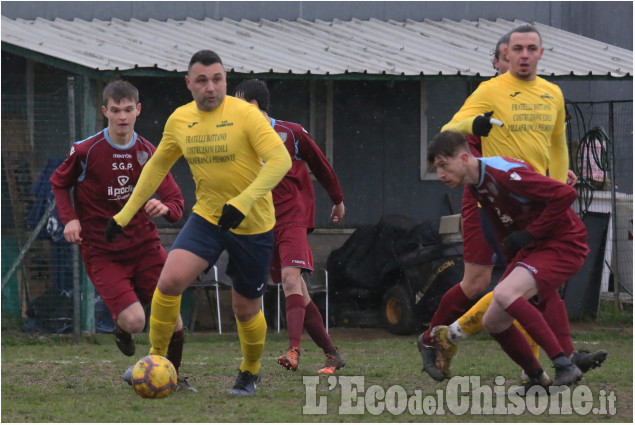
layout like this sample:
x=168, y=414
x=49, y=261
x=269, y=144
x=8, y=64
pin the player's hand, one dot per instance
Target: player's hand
x=73, y=231
x=482, y=125
x=112, y=230
x=337, y=213
x=517, y=240
x=230, y=218
x=156, y=208
x=572, y=179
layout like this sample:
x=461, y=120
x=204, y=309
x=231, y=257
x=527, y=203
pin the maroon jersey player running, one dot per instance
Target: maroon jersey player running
x=294, y=201
x=102, y=171
x=544, y=242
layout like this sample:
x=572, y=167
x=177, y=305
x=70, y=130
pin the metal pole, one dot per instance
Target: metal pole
x=70, y=85
x=28, y=243
x=616, y=268
x=326, y=282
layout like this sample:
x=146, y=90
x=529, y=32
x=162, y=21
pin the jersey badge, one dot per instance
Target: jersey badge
x=283, y=136
x=225, y=123
x=515, y=176
x=122, y=180
x=142, y=157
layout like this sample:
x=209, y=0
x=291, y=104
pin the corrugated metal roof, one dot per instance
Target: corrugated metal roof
x=375, y=47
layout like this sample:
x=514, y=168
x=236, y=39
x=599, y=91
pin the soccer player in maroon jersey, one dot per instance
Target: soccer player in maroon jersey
x=542, y=238
x=294, y=202
x=476, y=250
x=102, y=171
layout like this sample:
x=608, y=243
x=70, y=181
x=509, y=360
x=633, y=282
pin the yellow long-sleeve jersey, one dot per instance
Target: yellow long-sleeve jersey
x=234, y=155
x=534, y=122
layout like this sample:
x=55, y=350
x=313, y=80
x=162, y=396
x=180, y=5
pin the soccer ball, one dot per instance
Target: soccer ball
x=154, y=377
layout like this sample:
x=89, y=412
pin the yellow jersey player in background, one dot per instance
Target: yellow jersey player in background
x=236, y=158
x=532, y=110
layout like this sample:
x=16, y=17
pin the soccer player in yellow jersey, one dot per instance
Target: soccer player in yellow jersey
x=236, y=158
x=532, y=111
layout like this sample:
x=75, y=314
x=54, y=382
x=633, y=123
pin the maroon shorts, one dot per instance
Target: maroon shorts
x=122, y=282
x=551, y=262
x=476, y=249
x=291, y=249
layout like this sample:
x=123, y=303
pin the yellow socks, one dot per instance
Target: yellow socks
x=535, y=348
x=252, y=334
x=472, y=321
x=164, y=314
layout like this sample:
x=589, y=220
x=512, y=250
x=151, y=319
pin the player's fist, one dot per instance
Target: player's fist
x=230, y=218
x=482, y=125
x=517, y=240
x=112, y=230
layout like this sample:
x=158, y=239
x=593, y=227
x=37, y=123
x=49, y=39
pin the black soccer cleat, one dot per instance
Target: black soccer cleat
x=566, y=372
x=245, y=384
x=429, y=356
x=124, y=340
x=585, y=360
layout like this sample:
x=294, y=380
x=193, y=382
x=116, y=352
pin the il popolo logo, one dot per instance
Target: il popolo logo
x=123, y=191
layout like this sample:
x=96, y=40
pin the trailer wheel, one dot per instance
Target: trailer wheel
x=398, y=311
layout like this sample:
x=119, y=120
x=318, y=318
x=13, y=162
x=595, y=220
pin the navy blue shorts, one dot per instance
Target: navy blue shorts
x=249, y=255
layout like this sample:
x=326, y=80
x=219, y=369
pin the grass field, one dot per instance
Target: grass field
x=50, y=379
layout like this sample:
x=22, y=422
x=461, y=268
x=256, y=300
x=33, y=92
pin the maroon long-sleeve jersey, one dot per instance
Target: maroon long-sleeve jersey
x=102, y=176
x=515, y=197
x=294, y=198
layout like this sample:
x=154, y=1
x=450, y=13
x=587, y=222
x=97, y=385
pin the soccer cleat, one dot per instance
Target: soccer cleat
x=333, y=362
x=127, y=375
x=566, y=372
x=585, y=360
x=245, y=384
x=445, y=349
x=429, y=356
x=290, y=360
x=183, y=385
x=543, y=381
x=124, y=341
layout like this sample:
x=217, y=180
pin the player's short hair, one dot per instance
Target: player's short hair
x=446, y=144
x=118, y=90
x=503, y=40
x=204, y=57
x=525, y=28
x=254, y=89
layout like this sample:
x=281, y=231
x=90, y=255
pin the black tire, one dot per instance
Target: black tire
x=398, y=311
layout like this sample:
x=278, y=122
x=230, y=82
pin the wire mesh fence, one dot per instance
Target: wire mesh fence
x=601, y=149
x=40, y=280
x=40, y=276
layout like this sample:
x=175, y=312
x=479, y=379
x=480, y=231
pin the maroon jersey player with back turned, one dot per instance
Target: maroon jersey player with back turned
x=294, y=201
